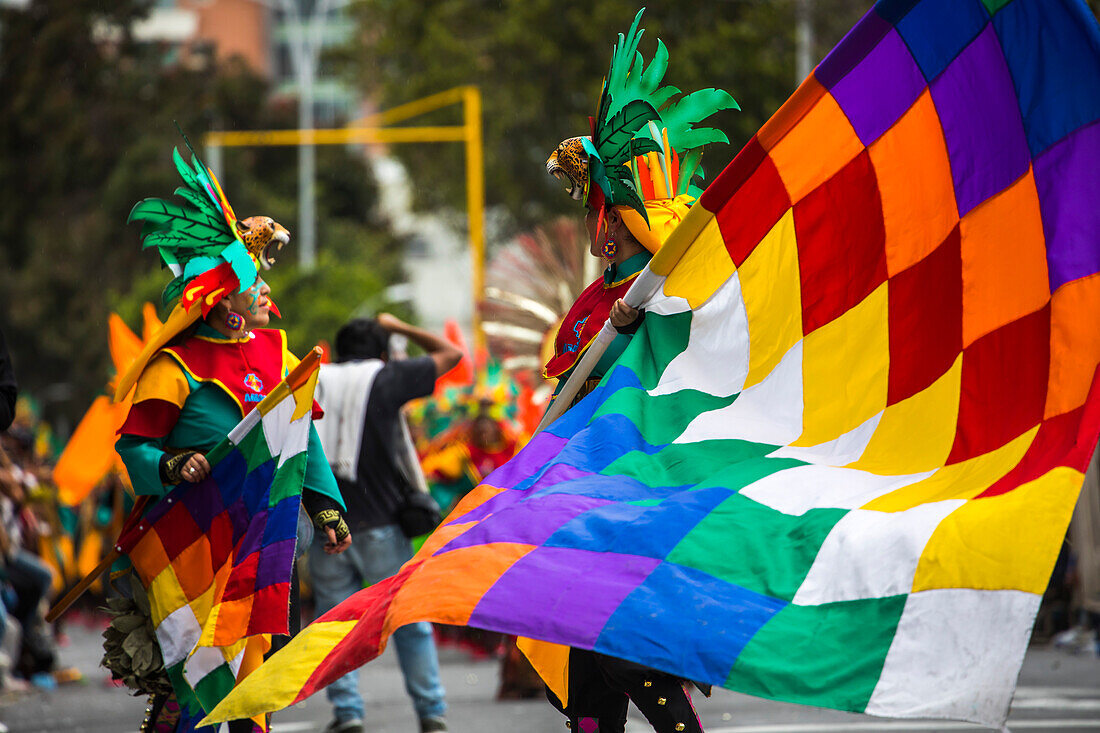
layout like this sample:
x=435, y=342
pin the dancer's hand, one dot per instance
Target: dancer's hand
x=195, y=469
x=334, y=546
x=622, y=314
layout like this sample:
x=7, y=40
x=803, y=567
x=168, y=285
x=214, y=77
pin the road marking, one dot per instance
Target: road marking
x=1055, y=703
x=1057, y=692
x=292, y=727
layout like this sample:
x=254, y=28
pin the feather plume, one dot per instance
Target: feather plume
x=197, y=234
x=637, y=115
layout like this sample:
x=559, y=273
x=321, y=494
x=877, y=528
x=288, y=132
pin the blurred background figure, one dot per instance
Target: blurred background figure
x=8, y=391
x=26, y=581
x=1073, y=598
x=371, y=451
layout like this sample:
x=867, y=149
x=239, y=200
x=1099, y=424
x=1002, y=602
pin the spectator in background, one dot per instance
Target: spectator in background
x=368, y=445
x=7, y=386
x=1081, y=571
x=26, y=579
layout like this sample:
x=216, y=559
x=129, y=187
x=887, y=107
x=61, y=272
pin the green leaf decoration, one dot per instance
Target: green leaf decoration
x=185, y=171
x=688, y=165
x=160, y=215
x=690, y=109
x=206, y=185
x=195, y=198
x=195, y=176
x=633, y=95
x=642, y=145
x=652, y=76
x=169, y=244
x=620, y=192
x=173, y=289
x=630, y=79
x=193, y=234
x=613, y=138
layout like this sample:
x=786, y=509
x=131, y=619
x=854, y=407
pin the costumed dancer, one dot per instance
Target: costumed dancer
x=210, y=364
x=459, y=458
x=635, y=173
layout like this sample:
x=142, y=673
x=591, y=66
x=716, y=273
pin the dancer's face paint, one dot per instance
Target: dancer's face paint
x=252, y=304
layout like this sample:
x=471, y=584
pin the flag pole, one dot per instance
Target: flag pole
x=108, y=560
x=644, y=287
x=293, y=381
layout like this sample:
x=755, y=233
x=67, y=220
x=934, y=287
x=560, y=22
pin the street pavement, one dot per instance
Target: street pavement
x=1057, y=692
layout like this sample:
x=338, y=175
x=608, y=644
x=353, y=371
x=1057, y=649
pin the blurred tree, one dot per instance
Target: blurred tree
x=86, y=130
x=540, y=63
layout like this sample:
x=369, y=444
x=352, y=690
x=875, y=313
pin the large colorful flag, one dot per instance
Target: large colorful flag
x=836, y=463
x=216, y=556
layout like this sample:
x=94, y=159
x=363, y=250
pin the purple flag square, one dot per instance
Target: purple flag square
x=204, y=501
x=253, y=538
x=275, y=563
x=1069, y=187
x=528, y=522
x=539, y=596
x=530, y=459
x=851, y=49
x=880, y=88
x=977, y=105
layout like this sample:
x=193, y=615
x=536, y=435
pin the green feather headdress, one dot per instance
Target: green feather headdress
x=643, y=143
x=198, y=238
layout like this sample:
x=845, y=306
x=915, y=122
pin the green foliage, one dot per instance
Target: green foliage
x=87, y=130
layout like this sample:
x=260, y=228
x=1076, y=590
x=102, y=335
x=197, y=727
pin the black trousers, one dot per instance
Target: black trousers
x=601, y=686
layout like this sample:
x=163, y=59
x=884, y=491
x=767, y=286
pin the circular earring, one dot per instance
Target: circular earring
x=234, y=321
x=610, y=249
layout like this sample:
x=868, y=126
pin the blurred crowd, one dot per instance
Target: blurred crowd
x=45, y=547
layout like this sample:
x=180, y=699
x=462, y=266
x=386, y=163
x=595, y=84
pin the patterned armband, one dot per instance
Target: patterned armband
x=172, y=467
x=331, y=518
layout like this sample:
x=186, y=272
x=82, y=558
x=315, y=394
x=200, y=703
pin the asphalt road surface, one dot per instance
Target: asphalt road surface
x=1057, y=692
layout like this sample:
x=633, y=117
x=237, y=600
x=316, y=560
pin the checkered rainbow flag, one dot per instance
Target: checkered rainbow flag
x=216, y=556
x=836, y=463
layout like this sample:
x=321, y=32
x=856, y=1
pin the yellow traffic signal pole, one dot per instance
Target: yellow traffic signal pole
x=374, y=130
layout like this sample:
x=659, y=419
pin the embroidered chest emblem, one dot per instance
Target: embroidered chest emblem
x=252, y=382
x=575, y=344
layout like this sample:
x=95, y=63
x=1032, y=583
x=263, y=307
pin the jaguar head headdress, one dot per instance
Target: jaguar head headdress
x=210, y=252
x=644, y=145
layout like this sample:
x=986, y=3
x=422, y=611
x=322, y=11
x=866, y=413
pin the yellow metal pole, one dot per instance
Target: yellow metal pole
x=370, y=130
x=475, y=200
x=338, y=136
x=415, y=108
